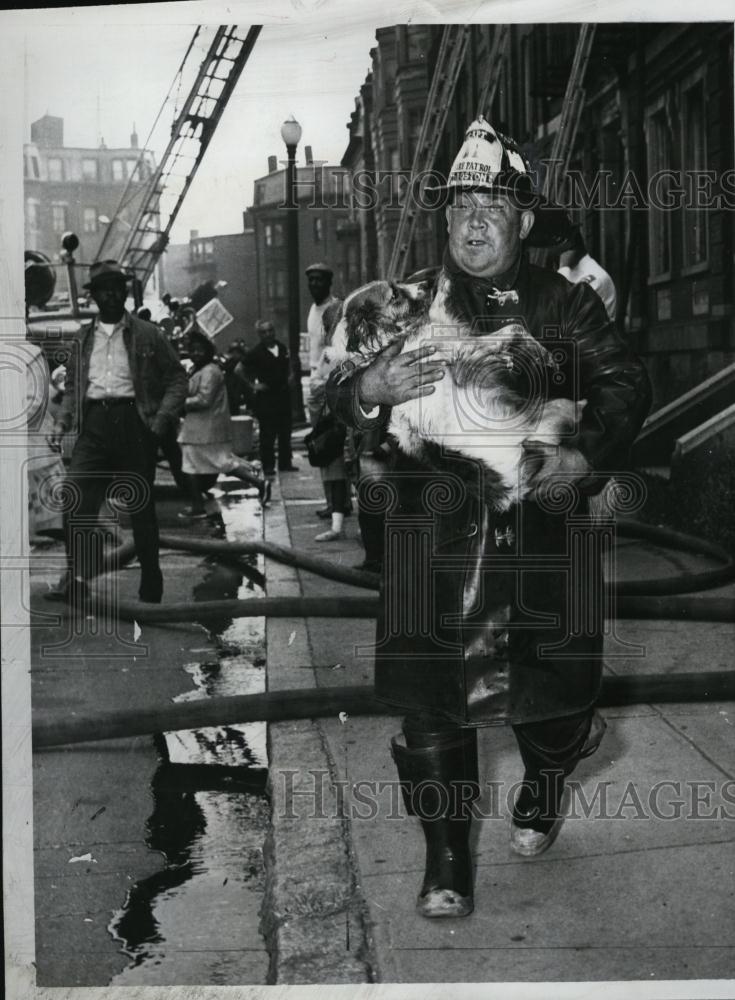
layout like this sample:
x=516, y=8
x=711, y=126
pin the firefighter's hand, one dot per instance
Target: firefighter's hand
x=395, y=378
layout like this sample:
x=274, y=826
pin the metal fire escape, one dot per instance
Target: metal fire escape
x=138, y=243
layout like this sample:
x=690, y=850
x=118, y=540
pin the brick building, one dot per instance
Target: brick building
x=658, y=115
x=76, y=188
x=323, y=199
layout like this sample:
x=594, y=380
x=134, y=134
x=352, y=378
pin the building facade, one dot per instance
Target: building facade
x=228, y=261
x=77, y=189
x=650, y=176
x=323, y=198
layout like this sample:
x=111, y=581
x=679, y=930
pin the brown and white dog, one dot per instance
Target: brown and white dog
x=490, y=405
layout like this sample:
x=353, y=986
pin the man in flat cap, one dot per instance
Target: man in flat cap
x=124, y=388
x=487, y=618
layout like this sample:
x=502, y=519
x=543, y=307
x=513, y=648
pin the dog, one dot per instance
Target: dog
x=489, y=407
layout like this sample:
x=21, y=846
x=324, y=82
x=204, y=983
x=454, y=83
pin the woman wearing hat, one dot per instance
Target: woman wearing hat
x=487, y=618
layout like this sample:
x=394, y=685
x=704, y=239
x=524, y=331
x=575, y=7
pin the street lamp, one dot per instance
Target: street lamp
x=291, y=135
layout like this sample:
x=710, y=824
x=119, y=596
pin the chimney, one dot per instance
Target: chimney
x=309, y=155
x=272, y=164
x=193, y=234
x=134, y=138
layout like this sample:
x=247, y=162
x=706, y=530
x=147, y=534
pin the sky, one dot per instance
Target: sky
x=102, y=89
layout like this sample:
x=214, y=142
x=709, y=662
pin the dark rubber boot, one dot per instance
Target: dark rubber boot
x=439, y=783
x=539, y=810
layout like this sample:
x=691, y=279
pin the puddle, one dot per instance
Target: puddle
x=197, y=920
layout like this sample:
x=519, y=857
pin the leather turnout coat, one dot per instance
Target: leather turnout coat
x=487, y=617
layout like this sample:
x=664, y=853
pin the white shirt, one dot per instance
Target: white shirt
x=109, y=368
x=315, y=329
x=593, y=274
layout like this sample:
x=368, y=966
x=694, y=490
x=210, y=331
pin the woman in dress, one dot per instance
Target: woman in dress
x=206, y=433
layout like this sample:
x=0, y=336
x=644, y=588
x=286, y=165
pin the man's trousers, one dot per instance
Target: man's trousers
x=114, y=456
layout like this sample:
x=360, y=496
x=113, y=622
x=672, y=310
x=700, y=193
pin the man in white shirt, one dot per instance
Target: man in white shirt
x=577, y=266
x=320, y=323
x=319, y=278
x=123, y=390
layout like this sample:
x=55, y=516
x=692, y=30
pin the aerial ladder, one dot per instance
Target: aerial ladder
x=451, y=56
x=153, y=204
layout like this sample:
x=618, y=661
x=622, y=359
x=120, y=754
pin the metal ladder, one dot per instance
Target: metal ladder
x=142, y=241
x=496, y=60
x=571, y=114
x=572, y=107
x=452, y=51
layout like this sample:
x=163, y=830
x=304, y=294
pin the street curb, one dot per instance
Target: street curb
x=313, y=916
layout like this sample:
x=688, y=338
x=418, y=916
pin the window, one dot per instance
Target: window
x=58, y=218
x=278, y=234
x=353, y=269
x=118, y=172
x=89, y=170
x=280, y=284
x=415, y=44
x=89, y=220
x=693, y=162
x=33, y=217
x=660, y=155
x=269, y=286
x=268, y=234
x=209, y=249
x=131, y=165
x=31, y=166
x=318, y=230
x=55, y=169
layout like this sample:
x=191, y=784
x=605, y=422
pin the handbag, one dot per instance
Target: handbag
x=325, y=441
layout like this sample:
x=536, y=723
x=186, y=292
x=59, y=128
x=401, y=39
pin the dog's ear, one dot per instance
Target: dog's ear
x=534, y=456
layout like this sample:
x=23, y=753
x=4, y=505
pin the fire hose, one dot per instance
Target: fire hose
x=633, y=599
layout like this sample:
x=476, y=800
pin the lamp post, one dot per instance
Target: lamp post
x=291, y=135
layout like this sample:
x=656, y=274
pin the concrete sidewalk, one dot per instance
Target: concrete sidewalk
x=641, y=888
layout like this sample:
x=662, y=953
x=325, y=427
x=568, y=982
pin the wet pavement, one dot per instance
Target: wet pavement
x=190, y=913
